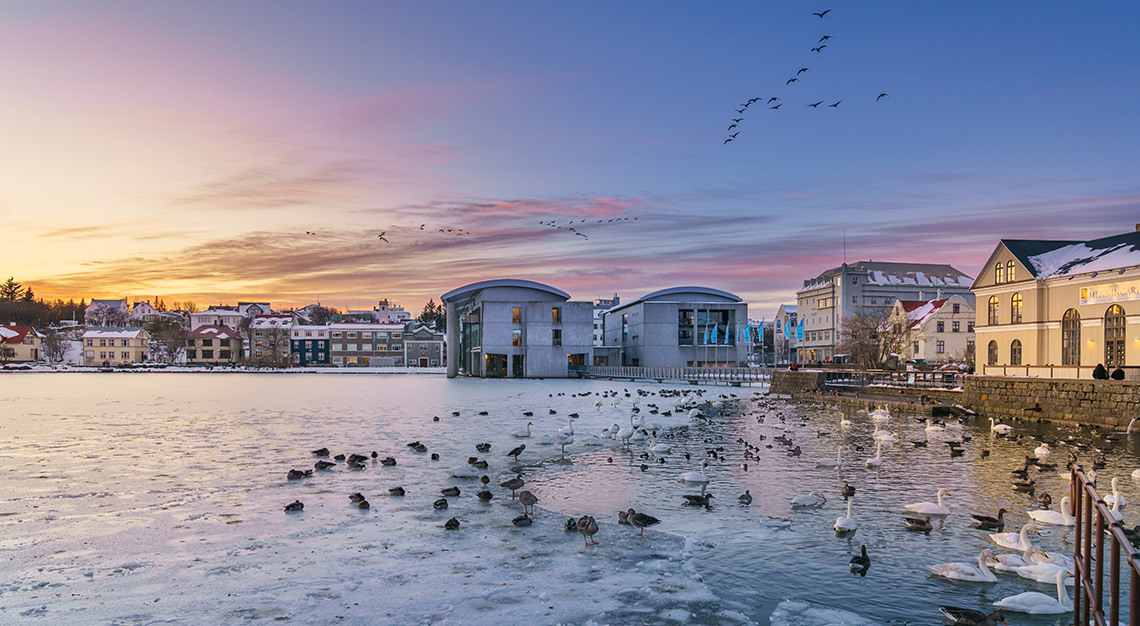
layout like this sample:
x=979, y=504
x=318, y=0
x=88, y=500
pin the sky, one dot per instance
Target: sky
x=255, y=150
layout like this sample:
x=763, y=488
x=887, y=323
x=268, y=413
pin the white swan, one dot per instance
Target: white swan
x=1055, y=518
x=877, y=460
x=659, y=448
x=1015, y=541
x=523, y=433
x=1135, y=474
x=1042, y=450
x=625, y=432
x=966, y=571
x=844, y=422
x=544, y=440
x=568, y=429
x=880, y=415
x=1039, y=603
x=1039, y=556
x=593, y=440
x=563, y=440
x=1010, y=562
x=884, y=436
x=1044, y=572
x=930, y=508
x=1111, y=498
x=931, y=427
x=846, y=524
x=1115, y=512
x=828, y=462
x=1001, y=429
x=639, y=435
x=463, y=471
x=811, y=499
x=696, y=477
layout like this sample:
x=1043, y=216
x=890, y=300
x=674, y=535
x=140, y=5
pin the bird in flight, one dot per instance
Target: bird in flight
x=819, y=48
x=822, y=14
x=791, y=80
x=751, y=100
x=738, y=119
x=732, y=127
x=741, y=110
x=816, y=105
x=881, y=95
x=422, y=226
x=733, y=135
x=381, y=236
x=582, y=235
x=777, y=106
x=835, y=105
x=824, y=38
x=773, y=98
x=309, y=233
x=802, y=70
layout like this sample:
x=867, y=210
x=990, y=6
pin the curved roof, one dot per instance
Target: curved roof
x=503, y=282
x=691, y=289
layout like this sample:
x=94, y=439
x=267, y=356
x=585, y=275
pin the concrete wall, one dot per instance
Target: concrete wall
x=788, y=383
x=1104, y=402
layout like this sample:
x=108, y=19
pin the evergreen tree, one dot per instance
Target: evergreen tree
x=434, y=316
x=11, y=290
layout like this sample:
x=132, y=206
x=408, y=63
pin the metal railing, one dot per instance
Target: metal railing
x=693, y=374
x=1088, y=597
x=924, y=380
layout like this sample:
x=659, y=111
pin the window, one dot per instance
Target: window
x=365, y=346
x=940, y=327
x=336, y=335
x=103, y=343
x=854, y=299
x=207, y=354
x=352, y=335
x=557, y=336
x=308, y=344
x=338, y=346
x=999, y=272
x=1071, y=338
x=225, y=354
x=1009, y=272
x=940, y=347
x=207, y=342
x=1015, y=352
x=955, y=326
x=350, y=347
x=308, y=333
x=556, y=317
x=124, y=343
x=854, y=280
x=991, y=356
x=914, y=347
x=223, y=342
x=1015, y=309
x=1114, y=336
x=90, y=342
x=992, y=318
x=191, y=354
x=516, y=337
x=90, y=353
x=969, y=327
x=956, y=308
x=516, y=315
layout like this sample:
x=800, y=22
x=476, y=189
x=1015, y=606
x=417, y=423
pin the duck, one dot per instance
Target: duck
x=922, y=525
x=1001, y=429
x=1015, y=541
x=1055, y=518
x=847, y=491
x=846, y=524
x=745, y=498
x=514, y=484
x=321, y=452
x=861, y=562
x=323, y=465
x=440, y=504
x=1111, y=498
x=299, y=474
x=930, y=508
x=388, y=461
x=809, y=500
x=356, y=497
x=485, y=495
x=451, y=524
x=483, y=448
x=701, y=500
x=450, y=492
x=967, y=571
x=588, y=527
x=528, y=500
x=571, y=525
x=829, y=462
x=1042, y=450
x=1037, y=603
x=985, y=522
x=523, y=433
x=396, y=491
x=969, y=617
x=522, y=520
x=623, y=518
x=640, y=520
x=696, y=477
x=294, y=506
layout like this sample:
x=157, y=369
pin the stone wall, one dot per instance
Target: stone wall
x=1105, y=402
x=788, y=383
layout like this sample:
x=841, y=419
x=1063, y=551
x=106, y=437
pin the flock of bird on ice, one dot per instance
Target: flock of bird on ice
x=1027, y=561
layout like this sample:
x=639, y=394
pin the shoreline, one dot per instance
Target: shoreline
x=177, y=369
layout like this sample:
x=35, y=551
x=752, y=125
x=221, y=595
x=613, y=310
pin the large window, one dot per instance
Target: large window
x=556, y=338
x=999, y=272
x=1015, y=352
x=516, y=337
x=993, y=311
x=516, y=315
x=1114, y=336
x=1009, y=272
x=1015, y=309
x=556, y=315
x=1071, y=338
x=991, y=353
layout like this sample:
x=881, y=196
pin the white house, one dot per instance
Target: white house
x=939, y=330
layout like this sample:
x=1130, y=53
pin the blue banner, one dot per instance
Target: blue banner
x=800, y=331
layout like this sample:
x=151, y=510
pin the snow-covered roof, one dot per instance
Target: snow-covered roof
x=919, y=312
x=1097, y=255
x=213, y=331
x=367, y=326
x=271, y=321
x=218, y=310
x=111, y=304
x=882, y=273
x=112, y=332
x=15, y=333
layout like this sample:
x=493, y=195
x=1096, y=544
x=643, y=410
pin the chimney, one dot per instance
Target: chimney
x=1138, y=228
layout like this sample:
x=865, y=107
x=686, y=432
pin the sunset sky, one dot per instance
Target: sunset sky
x=184, y=149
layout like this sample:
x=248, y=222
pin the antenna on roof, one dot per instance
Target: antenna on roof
x=845, y=247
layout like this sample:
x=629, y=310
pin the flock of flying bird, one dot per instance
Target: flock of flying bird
x=818, y=48
x=456, y=232
x=553, y=224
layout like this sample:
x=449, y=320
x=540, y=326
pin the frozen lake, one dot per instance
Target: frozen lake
x=157, y=498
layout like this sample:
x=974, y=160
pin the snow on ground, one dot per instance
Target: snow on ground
x=803, y=613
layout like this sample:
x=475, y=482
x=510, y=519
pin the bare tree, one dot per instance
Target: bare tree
x=55, y=346
x=7, y=353
x=168, y=336
x=870, y=336
x=269, y=347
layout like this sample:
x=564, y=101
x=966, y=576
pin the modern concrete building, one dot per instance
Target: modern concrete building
x=866, y=288
x=679, y=327
x=601, y=305
x=516, y=328
x=1058, y=308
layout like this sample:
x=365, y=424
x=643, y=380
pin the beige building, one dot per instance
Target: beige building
x=213, y=345
x=20, y=344
x=115, y=345
x=939, y=331
x=1059, y=308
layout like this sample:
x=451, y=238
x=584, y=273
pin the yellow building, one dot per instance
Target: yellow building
x=20, y=344
x=115, y=345
x=1059, y=308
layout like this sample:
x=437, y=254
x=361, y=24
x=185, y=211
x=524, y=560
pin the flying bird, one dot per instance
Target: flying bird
x=881, y=95
x=727, y=140
x=422, y=226
x=381, y=236
x=733, y=135
x=822, y=14
x=819, y=48
x=732, y=127
x=737, y=120
x=751, y=100
x=582, y=235
x=309, y=233
x=771, y=99
x=816, y=104
x=824, y=38
x=777, y=106
x=802, y=70
x=835, y=105
x=741, y=110
x=791, y=80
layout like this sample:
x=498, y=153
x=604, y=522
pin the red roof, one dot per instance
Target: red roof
x=13, y=333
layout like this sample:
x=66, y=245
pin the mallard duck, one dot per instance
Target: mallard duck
x=483, y=448
x=388, y=461
x=641, y=520
x=298, y=474
x=440, y=504
x=451, y=524
x=339, y=457
x=450, y=492
x=588, y=527
x=623, y=518
x=522, y=520
x=396, y=491
x=528, y=501
x=356, y=497
x=571, y=525
x=363, y=504
x=701, y=500
x=485, y=495
x=321, y=452
x=922, y=525
x=323, y=465
x=295, y=505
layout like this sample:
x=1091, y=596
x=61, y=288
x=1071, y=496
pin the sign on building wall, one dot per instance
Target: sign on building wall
x=1114, y=292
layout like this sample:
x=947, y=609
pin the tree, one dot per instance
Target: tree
x=169, y=336
x=870, y=336
x=55, y=345
x=11, y=290
x=7, y=353
x=434, y=316
x=320, y=315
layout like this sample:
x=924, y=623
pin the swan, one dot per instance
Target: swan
x=523, y=433
x=882, y=435
x=659, y=448
x=930, y=508
x=625, y=433
x=614, y=431
x=463, y=471
x=966, y=571
x=1010, y=562
x=696, y=477
x=593, y=440
x=931, y=427
x=1039, y=556
x=1043, y=572
x=544, y=440
x=1061, y=518
x=639, y=435
x=846, y=422
x=563, y=439
x=880, y=415
x=811, y=499
x=1001, y=429
x=568, y=429
x=1039, y=603
x=877, y=460
x=846, y=524
x=1042, y=450
x=1115, y=495
x=1135, y=474
x=1115, y=512
x=830, y=463
x=1015, y=541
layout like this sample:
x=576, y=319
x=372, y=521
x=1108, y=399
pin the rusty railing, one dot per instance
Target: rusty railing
x=1088, y=596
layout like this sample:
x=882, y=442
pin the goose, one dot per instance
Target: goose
x=1038, y=603
x=528, y=501
x=1042, y=450
x=640, y=520
x=985, y=522
x=746, y=497
x=828, y=462
x=1010, y=562
x=1044, y=572
x=1015, y=541
x=966, y=571
x=588, y=527
x=523, y=433
x=931, y=427
x=701, y=500
x=517, y=451
x=930, y=508
x=876, y=460
x=811, y=499
x=696, y=477
x=1111, y=498
x=1001, y=429
x=514, y=484
x=970, y=617
x=1055, y=518
x=846, y=524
